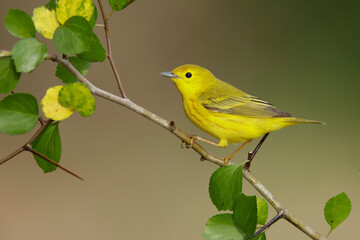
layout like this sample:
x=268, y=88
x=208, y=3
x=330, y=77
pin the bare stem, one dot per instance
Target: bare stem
x=10, y=156
x=280, y=208
x=170, y=126
x=22, y=148
x=27, y=147
x=43, y=124
x=30, y=149
x=109, y=52
x=267, y=225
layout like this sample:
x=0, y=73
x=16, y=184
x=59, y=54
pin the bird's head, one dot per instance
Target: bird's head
x=191, y=80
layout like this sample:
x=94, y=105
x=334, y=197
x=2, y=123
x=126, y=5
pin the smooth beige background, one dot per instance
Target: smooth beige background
x=302, y=56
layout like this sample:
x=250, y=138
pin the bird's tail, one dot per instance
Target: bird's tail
x=301, y=120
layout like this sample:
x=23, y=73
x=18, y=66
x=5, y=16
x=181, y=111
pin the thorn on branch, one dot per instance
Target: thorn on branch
x=30, y=149
x=271, y=222
x=27, y=147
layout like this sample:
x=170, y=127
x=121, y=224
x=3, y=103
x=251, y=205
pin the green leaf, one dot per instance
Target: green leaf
x=73, y=37
x=118, y=5
x=77, y=96
x=51, y=5
x=222, y=227
x=245, y=214
x=9, y=77
x=49, y=144
x=93, y=18
x=336, y=210
x=96, y=52
x=261, y=236
x=28, y=53
x=225, y=185
x=19, y=24
x=68, y=77
x=262, y=210
x=18, y=113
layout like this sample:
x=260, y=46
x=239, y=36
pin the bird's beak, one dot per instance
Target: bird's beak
x=169, y=74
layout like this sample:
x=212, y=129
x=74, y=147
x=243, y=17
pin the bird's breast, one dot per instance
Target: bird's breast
x=215, y=124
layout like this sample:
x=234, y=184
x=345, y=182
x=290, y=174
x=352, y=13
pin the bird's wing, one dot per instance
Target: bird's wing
x=230, y=100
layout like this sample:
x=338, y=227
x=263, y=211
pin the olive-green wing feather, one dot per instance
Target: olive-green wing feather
x=228, y=99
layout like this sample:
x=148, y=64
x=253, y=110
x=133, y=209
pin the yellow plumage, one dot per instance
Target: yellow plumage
x=224, y=111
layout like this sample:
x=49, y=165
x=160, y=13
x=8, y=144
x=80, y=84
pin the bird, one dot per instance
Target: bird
x=225, y=112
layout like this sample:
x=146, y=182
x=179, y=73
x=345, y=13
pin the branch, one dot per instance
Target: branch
x=170, y=126
x=30, y=149
x=27, y=147
x=284, y=213
x=10, y=156
x=109, y=52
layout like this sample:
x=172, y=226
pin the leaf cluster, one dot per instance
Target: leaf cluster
x=69, y=24
x=249, y=212
x=225, y=189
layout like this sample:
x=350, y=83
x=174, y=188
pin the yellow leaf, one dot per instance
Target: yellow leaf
x=51, y=106
x=45, y=21
x=65, y=9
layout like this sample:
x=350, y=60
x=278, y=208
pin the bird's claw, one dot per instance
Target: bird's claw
x=188, y=145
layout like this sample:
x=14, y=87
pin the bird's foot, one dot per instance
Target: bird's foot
x=188, y=145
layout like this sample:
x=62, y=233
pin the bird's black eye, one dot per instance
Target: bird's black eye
x=188, y=75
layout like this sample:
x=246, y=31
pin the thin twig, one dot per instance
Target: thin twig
x=267, y=225
x=27, y=147
x=5, y=53
x=10, y=156
x=170, y=126
x=43, y=124
x=109, y=52
x=280, y=208
x=30, y=149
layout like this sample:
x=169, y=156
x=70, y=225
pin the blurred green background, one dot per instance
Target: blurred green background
x=302, y=56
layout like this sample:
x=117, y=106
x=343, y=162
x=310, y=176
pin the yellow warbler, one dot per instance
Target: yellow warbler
x=224, y=111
